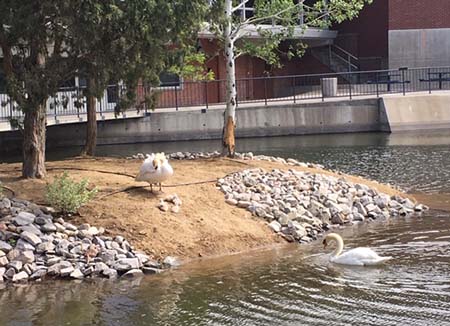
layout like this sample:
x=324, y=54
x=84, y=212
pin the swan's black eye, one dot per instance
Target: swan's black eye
x=324, y=241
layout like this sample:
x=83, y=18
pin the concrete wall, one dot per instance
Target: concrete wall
x=391, y=113
x=415, y=112
x=419, y=48
x=299, y=119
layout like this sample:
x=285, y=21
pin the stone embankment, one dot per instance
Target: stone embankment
x=300, y=205
x=34, y=244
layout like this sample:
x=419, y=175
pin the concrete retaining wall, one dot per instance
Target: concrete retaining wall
x=415, y=112
x=273, y=120
x=391, y=113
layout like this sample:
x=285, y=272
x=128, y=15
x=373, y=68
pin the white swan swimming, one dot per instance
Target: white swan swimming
x=357, y=256
x=155, y=170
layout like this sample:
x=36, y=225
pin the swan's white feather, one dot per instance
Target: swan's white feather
x=359, y=257
x=152, y=173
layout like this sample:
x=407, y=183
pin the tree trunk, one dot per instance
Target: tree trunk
x=34, y=143
x=230, y=111
x=91, y=128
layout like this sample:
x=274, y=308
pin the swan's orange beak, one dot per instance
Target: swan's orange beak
x=324, y=242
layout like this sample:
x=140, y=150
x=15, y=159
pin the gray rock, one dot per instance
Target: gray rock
x=66, y=271
x=24, y=218
x=5, y=203
x=31, y=238
x=24, y=245
x=32, y=228
x=45, y=247
x=171, y=261
x=4, y=261
x=77, y=274
x=108, y=256
x=10, y=272
x=17, y=265
x=275, y=226
x=5, y=246
x=126, y=264
x=110, y=273
x=243, y=204
x=20, y=277
x=53, y=261
x=371, y=207
x=41, y=220
x=48, y=227
x=57, y=268
x=26, y=257
x=70, y=227
x=59, y=227
x=38, y=274
x=100, y=267
x=151, y=270
x=133, y=273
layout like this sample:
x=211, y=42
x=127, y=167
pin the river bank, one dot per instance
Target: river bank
x=209, y=222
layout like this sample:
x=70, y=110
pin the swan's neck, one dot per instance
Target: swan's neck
x=339, y=244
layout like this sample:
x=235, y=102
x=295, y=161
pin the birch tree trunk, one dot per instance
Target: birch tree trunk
x=91, y=128
x=230, y=111
x=34, y=143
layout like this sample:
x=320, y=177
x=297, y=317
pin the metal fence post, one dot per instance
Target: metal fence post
x=403, y=81
x=429, y=80
x=376, y=80
x=11, y=106
x=350, y=85
x=293, y=87
x=206, y=93
x=54, y=103
x=321, y=86
x=265, y=91
x=176, y=98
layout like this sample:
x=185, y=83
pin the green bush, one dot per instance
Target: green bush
x=68, y=196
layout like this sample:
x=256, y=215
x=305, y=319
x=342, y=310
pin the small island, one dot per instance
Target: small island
x=224, y=206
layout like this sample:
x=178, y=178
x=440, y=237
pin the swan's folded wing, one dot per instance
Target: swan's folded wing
x=146, y=168
x=360, y=257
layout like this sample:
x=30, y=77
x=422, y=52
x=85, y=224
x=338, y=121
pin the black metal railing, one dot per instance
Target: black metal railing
x=262, y=90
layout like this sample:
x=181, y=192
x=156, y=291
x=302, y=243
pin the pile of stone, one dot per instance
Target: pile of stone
x=34, y=245
x=172, y=199
x=301, y=205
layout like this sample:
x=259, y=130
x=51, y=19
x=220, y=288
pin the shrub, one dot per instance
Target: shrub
x=68, y=196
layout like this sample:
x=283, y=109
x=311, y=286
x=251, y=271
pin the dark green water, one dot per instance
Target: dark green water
x=289, y=285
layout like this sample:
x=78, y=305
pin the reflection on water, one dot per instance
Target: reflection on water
x=283, y=286
x=289, y=285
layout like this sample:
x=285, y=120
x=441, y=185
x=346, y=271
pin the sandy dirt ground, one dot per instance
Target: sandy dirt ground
x=205, y=226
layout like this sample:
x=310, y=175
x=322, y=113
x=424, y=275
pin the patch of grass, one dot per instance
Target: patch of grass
x=67, y=195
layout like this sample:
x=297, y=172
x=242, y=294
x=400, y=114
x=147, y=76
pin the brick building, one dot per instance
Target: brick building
x=399, y=33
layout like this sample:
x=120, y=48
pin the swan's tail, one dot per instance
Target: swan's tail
x=380, y=260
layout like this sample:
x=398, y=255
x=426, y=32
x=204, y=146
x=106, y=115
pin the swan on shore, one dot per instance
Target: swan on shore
x=357, y=256
x=155, y=170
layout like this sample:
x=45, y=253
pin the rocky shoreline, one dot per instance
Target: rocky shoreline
x=35, y=245
x=299, y=206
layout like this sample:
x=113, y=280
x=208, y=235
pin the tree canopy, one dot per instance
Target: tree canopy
x=46, y=42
